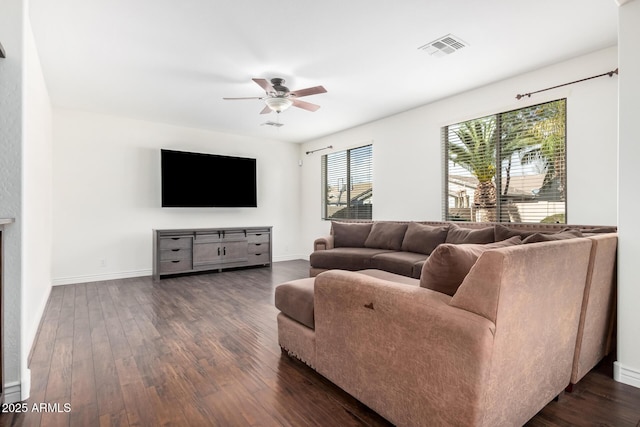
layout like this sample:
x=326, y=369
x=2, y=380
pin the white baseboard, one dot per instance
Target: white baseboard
x=626, y=375
x=290, y=257
x=12, y=392
x=25, y=388
x=139, y=273
x=100, y=277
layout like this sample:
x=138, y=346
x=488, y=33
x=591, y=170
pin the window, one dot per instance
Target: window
x=347, y=179
x=508, y=167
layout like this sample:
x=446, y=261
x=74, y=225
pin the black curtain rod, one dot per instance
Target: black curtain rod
x=610, y=74
x=319, y=149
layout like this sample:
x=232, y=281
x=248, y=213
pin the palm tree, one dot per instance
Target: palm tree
x=475, y=151
x=548, y=134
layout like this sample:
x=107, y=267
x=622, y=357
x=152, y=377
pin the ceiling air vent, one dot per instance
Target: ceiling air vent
x=270, y=123
x=443, y=46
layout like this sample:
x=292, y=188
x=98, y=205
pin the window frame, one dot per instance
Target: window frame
x=352, y=214
x=501, y=210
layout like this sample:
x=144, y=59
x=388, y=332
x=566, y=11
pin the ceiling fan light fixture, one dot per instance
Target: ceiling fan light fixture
x=278, y=104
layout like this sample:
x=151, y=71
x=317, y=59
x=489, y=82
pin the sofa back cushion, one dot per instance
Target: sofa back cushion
x=350, y=234
x=561, y=235
x=503, y=233
x=386, y=235
x=460, y=235
x=449, y=264
x=422, y=238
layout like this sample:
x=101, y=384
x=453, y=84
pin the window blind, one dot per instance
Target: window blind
x=507, y=167
x=347, y=178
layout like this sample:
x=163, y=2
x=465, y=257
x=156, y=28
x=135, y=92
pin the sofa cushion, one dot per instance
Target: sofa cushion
x=561, y=235
x=398, y=262
x=417, y=269
x=344, y=258
x=386, y=235
x=422, y=238
x=448, y=265
x=350, y=234
x=503, y=233
x=295, y=299
x=459, y=235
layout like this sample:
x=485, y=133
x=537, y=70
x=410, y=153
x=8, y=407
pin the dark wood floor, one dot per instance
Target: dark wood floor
x=202, y=350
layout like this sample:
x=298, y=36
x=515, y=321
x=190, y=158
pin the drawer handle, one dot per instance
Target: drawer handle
x=258, y=244
x=258, y=234
x=175, y=238
x=258, y=254
x=175, y=261
x=175, y=250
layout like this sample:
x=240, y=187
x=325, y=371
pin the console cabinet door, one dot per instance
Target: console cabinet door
x=208, y=253
x=233, y=252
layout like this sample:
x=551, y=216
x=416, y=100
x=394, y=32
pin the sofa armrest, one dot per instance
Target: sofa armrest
x=387, y=342
x=323, y=243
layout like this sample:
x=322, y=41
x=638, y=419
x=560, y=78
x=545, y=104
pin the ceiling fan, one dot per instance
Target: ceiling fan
x=278, y=97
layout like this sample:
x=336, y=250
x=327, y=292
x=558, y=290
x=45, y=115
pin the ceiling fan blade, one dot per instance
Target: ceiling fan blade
x=249, y=97
x=265, y=110
x=264, y=84
x=305, y=105
x=308, y=91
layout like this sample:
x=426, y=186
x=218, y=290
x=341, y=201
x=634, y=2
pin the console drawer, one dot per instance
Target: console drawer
x=176, y=242
x=258, y=248
x=262, y=258
x=175, y=254
x=258, y=238
x=176, y=266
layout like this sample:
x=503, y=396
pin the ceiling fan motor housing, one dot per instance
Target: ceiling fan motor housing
x=278, y=86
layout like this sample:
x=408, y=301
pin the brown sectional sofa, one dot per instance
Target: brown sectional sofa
x=403, y=247
x=525, y=321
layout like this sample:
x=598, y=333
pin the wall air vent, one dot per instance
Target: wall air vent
x=274, y=124
x=444, y=46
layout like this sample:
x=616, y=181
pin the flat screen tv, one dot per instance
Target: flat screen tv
x=197, y=180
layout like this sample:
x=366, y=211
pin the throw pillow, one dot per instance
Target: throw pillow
x=423, y=238
x=350, y=234
x=386, y=235
x=449, y=264
x=561, y=235
x=460, y=235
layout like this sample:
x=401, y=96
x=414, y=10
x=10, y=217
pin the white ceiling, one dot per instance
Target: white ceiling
x=173, y=61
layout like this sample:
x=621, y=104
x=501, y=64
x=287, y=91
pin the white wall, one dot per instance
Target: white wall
x=106, y=195
x=36, y=199
x=25, y=194
x=408, y=174
x=627, y=367
x=11, y=35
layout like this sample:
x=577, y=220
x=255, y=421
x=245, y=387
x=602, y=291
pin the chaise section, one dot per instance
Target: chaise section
x=296, y=339
x=494, y=354
x=401, y=349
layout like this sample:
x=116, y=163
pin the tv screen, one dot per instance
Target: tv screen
x=197, y=180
